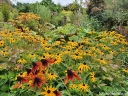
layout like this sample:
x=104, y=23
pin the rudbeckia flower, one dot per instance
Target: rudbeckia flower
x=83, y=87
x=20, y=81
x=57, y=93
x=102, y=61
x=37, y=81
x=83, y=67
x=71, y=75
x=125, y=70
x=1, y=43
x=49, y=91
x=43, y=64
x=92, y=75
x=51, y=76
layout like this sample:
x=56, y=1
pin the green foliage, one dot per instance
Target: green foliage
x=117, y=10
x=1, y=16
x=14, y=13
x=5, y=12
x=22, y=7
x=50, y=4
x=43, y=11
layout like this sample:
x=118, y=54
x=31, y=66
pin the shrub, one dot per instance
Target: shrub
x=6, y=12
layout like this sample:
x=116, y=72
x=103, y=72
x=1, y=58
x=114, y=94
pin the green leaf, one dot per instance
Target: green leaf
x=65, y=93
x=2, y=81
x=5, y=87
x=3, y=94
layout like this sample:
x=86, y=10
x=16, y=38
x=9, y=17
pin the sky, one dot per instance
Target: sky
x=62, y=2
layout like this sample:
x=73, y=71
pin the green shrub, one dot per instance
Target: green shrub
x=6, y=12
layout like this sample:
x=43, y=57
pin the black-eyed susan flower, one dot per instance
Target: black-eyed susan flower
x=49, y=91
x=12, y=40
x=83, y=67
x=51, y=76
x=1, y=43
x=45, y=62
x=4, y=52
x=125, y=70
x=36, y=67
x=73, y=86
x=37, y=81
x=22, y=61
x=92, y=76
x=102, y=61
x=83, y=87
x=105, y=47
x=32, y=55
x=71, y=75
x=20, y=80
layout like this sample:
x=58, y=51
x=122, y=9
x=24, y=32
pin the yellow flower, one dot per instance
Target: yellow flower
x=1, y=43
x=12, y=40
x=83, y=67
x=22, y=61
x=48, y=91
x=0, y=67
x=58, y=60
x=76, y=56
x=105, y=48
x=72, y=86
x=125, y=70
x=51, y=76
x=83, y=87
x=112, y=52
x=4, y=53
x=92, y=75
x=102, y=61
x=32, y=55
x=114, y=42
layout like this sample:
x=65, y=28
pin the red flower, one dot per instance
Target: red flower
x=36, y=67
x=38, y=81
x=39, y=66
x=20, y=81
x=45, y=62
x=71, y=75
x=57, y=93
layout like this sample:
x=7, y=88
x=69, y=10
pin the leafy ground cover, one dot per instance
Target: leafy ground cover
x=88, y=63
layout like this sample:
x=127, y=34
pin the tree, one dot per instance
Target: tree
x=51, y=5
x=118, y=11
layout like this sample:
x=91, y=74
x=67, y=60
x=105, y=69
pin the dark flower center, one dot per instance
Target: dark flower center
x=34, y=64
x=84, y=63
x=101, y=58
x=43, y=71
x=48, y=91
x=69, y=72
x=55, y=92
x=28, y=71
x=83, y=84
x=19, y=78
x=44, y=62
x=36, y=80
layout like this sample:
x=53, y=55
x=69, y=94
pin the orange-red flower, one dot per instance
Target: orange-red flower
x=20, y=81
x=36, y=67
x=38, y=81
x=45, y=62
x=57, y=93
x=71, y=75
x=41, y=65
